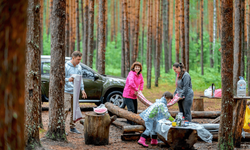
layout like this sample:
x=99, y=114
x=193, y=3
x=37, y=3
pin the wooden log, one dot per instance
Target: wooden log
x=216, y=136
x=216, y=120
x=179, y=138
x=133, y=128
x=132, y=137
x=124, y=113
x=198, y=104
x=119, y=124
x=238, y=121
x=200, y=114
x=96, y=128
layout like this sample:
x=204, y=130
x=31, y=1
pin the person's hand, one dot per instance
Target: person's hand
x=71, y=79
x=136, y=92
x=181, y=98
x=84, y=95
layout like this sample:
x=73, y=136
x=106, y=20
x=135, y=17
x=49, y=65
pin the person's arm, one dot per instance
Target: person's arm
x=186, y=80
x=132, y=81
x=142, y=83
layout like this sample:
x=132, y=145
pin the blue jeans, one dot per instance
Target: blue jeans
x=132, y=106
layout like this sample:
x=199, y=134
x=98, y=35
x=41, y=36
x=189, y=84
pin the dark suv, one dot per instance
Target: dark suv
x=99, y=88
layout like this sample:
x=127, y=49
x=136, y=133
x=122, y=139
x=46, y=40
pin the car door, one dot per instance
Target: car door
x=45, y=70
x=93, y=87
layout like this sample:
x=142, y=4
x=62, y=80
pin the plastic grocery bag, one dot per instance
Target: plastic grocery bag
x=217, y=93
x=208, y=92
x=173, y=101
x=246, y=126
x=142, y=99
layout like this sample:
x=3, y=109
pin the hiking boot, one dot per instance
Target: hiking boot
x=74, y=130
x=154, y=142
x=142, y=141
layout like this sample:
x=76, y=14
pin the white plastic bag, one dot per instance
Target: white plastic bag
x=208, y=92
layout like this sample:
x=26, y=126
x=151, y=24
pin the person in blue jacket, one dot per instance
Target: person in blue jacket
x=152, y=115
x=183, y=90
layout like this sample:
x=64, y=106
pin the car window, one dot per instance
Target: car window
x=86, y=73
x=46, y=67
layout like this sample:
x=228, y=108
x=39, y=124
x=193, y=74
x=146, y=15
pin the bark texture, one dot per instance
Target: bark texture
x=165, y=18
x=33, y=73
x=85, y=32
x=126, y=37
x=13, y=18
x=91, y=33
x=225, y=131
x=102, y=37
x=186, y=23
x=182, y=32
x=149, y=44
x=56, y=128
x=177, y=31
x=201, y=13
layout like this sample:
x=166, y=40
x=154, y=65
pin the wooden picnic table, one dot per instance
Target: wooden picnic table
x=238, y=116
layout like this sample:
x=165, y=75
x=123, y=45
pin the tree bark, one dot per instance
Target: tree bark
x=126, y=38
x=96, y=127
x=225, y=130
x=201, y=12
x=182, y=32
x=165, y=8
x=33, y=73
x=85, y=33
x=177, y=33
x=91, y=33
x=237, y=44
x=198, y=104
x=210, y=28
x=12, y=88
x=123, y=41
x=186, y=22
x=143, y=29
x=171, y=32
x=136, y=31
x=56, y=128
x=133, y=128
x=67, y=30
x=158, y=42
x=248, y=49
x=242, y=20
x=214, y=32
x=102, y=37
x=149, y=44
x=77, y=26
x=82, y=18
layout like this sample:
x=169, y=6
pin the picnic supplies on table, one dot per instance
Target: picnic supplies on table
x=246, y=126
x=241, y=87
x=142, y=99
x=162, y=128
x=77, y=114
x=210, y=91
x=174, y=100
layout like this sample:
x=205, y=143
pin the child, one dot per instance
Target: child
x=151, y=115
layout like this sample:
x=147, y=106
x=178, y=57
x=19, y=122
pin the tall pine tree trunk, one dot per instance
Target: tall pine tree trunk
x=225, y=140
x=67, y=30
x=165, y=8
x=33, y=73
x=237, y=43
x=149, y=43
x=91, y=33
x=101, y=38
x=171, y=8
x=248, y=49
x=126, y=37
x=201, y=12
x=186, y=14
x=182, y=32
x=210, y=29
x=143, y=29
x=123, y=41
x=158, y=42
x=177, y=33
x=242, y=14
x=13, y=20
x=85, y=32
x=136, y=30
x=77, y=27
x=214, y=32
x=56, y=127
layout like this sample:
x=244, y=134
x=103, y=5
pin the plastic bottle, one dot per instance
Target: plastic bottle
x=241, y=87
x=182, y=121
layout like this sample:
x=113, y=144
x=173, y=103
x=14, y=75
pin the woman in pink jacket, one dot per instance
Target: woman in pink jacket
x=134, y=83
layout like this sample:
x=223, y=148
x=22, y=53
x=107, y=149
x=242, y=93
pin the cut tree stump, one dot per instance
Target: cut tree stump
x=198, y=104
x=96, y=128
x=179, y=138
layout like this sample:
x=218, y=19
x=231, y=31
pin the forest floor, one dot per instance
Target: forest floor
x=76, y=141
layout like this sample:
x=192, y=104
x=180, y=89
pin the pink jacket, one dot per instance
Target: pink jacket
x=133, y=82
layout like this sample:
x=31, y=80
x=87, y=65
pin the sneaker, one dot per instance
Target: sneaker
x=74, y=130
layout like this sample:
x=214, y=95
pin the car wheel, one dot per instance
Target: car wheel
x=116, y=98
